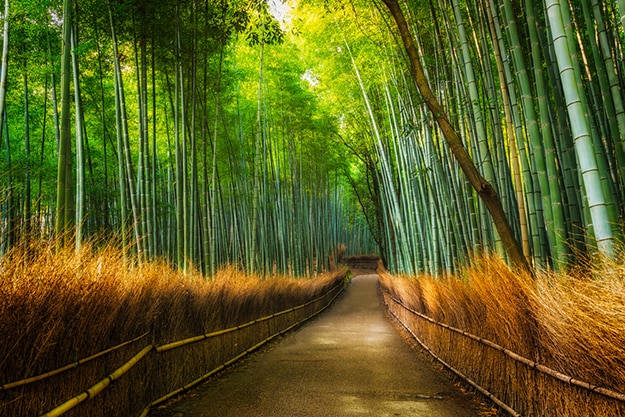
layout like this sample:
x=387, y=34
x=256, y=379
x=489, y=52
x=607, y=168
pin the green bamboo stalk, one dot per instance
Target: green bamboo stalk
x=252, y=257
x=5, y=58
x=157, y=243
x=511, y=135
x=534, y=210
x=597, y=125
x=492, y=111
x=597, y=202
x=27, y=175
x=9, y=239
x=143, y=170
x=121, y=173
x=80, y=154
x=483, y=187
x=565, y=147
x=180, y=156
x=580, y=60
x=535, y=135
x=552, y=195
x=615, y=106
x=194, y=211
x=484, y=155
x=395, y=213
x=129, y=173
x=42, y=153
x=405, y=207
x=64, y=154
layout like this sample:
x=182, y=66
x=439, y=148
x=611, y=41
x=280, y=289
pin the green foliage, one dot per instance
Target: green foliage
x=194, y=68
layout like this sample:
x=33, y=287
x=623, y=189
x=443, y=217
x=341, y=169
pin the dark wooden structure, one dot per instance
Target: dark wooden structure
x=363, y=262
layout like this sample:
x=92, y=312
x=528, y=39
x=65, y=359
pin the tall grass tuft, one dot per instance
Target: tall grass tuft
x=57, y=307
x=571, y=322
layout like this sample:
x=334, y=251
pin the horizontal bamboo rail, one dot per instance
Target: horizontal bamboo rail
x=518, y=358
x=104, y=383
x=247, y=352
x=199, y=338
x=72, y=365
x=100, y=386
x=474, y=384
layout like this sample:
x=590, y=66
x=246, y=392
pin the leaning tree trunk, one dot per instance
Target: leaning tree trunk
x=484, y=189
x=515, y=163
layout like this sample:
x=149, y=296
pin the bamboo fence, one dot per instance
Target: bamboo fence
x=68, y=367
x=516, y=384
x=154, y=375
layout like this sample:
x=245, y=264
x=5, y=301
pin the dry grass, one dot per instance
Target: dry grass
x=56, y=308
x=573, y=323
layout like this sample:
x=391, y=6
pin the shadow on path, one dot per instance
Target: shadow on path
x=350, y=361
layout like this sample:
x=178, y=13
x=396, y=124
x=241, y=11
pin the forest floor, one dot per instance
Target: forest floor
x=350, y=361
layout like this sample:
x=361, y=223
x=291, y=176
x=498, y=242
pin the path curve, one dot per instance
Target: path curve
x=350, y=361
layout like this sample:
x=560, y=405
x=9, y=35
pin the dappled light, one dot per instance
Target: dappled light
x=183, y=182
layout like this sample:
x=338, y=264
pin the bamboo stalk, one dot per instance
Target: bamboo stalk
x=100, y=386
x=598, y=202
x=193, y=383
x=68, y=367
x=64, y=150
x=80, y=142
x=180, y=343
x=483, y=188
x=474, y=384
x=516, y=357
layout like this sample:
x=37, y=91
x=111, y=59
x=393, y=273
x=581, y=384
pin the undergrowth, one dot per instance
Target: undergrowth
x=572, y=322
x=60, y=306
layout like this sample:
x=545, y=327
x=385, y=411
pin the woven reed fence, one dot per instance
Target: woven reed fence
x=131, y=378
x=516, y=384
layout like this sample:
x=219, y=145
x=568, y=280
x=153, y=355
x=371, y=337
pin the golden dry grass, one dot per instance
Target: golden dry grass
x=573, y=323
x=58, y=307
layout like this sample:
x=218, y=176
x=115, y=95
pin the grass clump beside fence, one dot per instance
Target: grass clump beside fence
x=572, y=323
x=58, y=307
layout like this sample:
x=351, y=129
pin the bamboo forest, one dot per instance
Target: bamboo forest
x=211, y=163
x=268, y=135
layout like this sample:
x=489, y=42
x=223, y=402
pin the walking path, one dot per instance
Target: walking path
x=350, y=361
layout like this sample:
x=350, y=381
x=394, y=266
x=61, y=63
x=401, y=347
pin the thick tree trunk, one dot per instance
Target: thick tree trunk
x=484, y=189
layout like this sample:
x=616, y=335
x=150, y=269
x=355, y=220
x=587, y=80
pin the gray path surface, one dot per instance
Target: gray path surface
x=350, y=361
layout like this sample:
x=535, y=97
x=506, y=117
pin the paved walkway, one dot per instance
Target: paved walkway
x=350, y=361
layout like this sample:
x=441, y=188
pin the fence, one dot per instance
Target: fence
x=366, y=262
x=516, y=384
x=147, y=375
